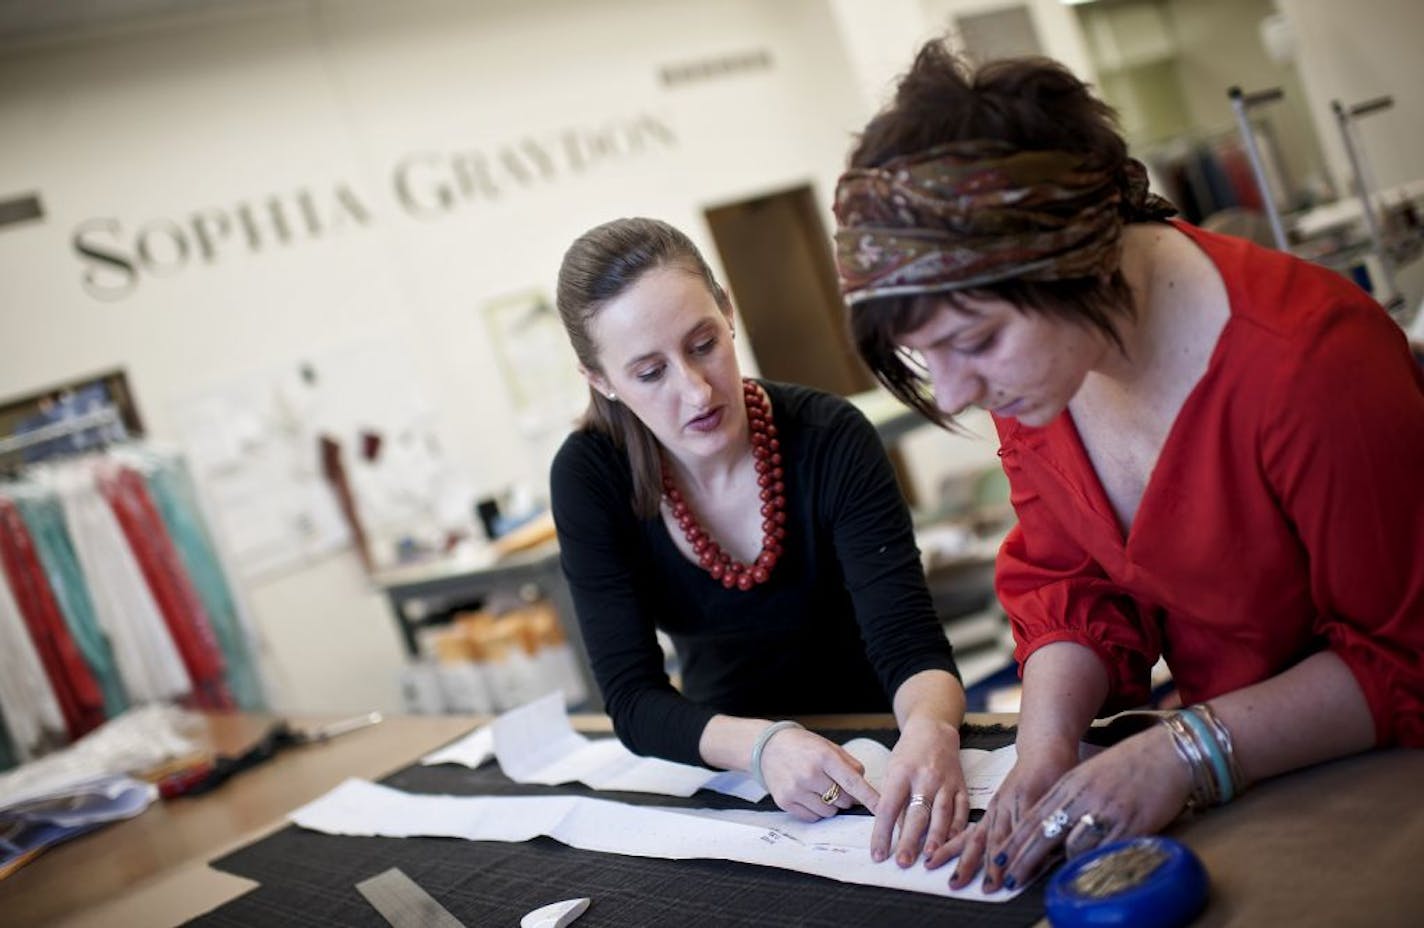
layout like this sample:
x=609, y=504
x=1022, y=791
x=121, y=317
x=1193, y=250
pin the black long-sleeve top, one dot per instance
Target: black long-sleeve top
x=844, y=619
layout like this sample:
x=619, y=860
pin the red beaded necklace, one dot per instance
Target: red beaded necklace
x=766, y=449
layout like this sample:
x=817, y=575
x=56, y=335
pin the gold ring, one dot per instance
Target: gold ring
x=830, y=795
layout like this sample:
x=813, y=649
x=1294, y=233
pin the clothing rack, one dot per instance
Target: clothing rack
x=1240, y=104
x=95, y=419
x=1391, y=251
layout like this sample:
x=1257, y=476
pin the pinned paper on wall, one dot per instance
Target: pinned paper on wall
x=254, y=447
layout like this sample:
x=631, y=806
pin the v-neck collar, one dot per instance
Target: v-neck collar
x=1085, y=478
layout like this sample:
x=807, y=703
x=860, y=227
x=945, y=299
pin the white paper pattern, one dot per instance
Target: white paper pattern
x=835, y=848
x=536, y=743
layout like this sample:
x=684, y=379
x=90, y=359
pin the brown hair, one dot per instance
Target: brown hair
x=600, y=265
x=1031, y=103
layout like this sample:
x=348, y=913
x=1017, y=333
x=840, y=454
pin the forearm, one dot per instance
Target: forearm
x=727, y=741
x=1311, y=713
x=1064, y=685
x=931, y=695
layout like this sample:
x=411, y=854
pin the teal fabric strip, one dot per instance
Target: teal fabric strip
x=44, y=517
x=177, y=504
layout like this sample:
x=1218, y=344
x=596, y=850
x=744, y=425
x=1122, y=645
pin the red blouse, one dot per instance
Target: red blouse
x=1285, y=514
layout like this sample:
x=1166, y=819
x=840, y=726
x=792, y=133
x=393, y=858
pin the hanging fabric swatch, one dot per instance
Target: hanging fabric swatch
x=176, y=500
x=75, y=688
x=32, y=713
x=148, y=661
x=41, y=511
x=178, y=602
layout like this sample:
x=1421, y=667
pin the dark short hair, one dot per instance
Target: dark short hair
x=1031, y=103
x=599, y=266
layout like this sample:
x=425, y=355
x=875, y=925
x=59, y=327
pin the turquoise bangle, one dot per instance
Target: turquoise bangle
x=762, y=739
x=1225, y=786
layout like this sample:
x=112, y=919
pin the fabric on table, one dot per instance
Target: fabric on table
x=42, y=514
x=310, y=879
x=175, y=501
x=74, y=686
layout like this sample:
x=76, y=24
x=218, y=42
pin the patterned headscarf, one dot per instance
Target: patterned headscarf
x=967, y=214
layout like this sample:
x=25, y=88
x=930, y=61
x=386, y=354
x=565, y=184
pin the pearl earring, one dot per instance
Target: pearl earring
x=613, y=396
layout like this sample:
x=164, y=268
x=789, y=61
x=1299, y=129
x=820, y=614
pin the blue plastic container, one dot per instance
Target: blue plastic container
x=1151, y=882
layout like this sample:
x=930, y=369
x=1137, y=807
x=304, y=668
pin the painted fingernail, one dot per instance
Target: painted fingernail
x=904, y=859
x=1009, y=882
x=1000, y=859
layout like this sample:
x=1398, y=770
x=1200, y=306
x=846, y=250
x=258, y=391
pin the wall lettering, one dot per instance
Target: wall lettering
x=117, y=257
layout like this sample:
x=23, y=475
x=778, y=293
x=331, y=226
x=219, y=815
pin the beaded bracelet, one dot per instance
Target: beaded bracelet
x=762, y=739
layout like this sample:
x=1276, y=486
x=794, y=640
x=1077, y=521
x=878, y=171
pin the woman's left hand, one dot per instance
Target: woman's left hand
x=923, y=792
x=1134, y=788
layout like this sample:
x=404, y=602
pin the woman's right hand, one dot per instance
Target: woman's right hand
x=800, y=767
x=982, y=844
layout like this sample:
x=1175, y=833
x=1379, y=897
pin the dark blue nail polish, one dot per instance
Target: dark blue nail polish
x=1000, y=859
x=1009, y=882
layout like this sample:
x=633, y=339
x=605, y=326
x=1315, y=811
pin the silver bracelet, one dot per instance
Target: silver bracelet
x=1204, y=793
x=762, y=739
x=1223, y=740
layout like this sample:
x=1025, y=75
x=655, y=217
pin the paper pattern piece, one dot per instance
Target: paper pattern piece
x=983, y=770
x=472, y=750
x=536, y=743
x=837, y=848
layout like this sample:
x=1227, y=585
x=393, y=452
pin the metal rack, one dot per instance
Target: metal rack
x=96, y=419
x=1392, y=241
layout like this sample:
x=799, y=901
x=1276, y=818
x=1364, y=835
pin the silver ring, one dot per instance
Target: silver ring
x=1053, y=825
x=918, y=799
x=1090, y=823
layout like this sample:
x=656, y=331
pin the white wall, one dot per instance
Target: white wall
x=173, y=119
x=1353, y=52
x=881, y=38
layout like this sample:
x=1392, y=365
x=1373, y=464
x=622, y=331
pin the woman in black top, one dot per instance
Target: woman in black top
x=759, y=525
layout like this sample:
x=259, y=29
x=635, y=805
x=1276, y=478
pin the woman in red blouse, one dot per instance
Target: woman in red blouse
x=1215, y=453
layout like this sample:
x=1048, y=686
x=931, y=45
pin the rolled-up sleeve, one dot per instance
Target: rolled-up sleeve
x=1345, y=452
x=1052, y=590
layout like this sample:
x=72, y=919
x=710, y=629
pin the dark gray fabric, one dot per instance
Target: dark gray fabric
x=309, y=879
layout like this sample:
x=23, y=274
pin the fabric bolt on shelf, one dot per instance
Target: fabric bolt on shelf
x=309, y=879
